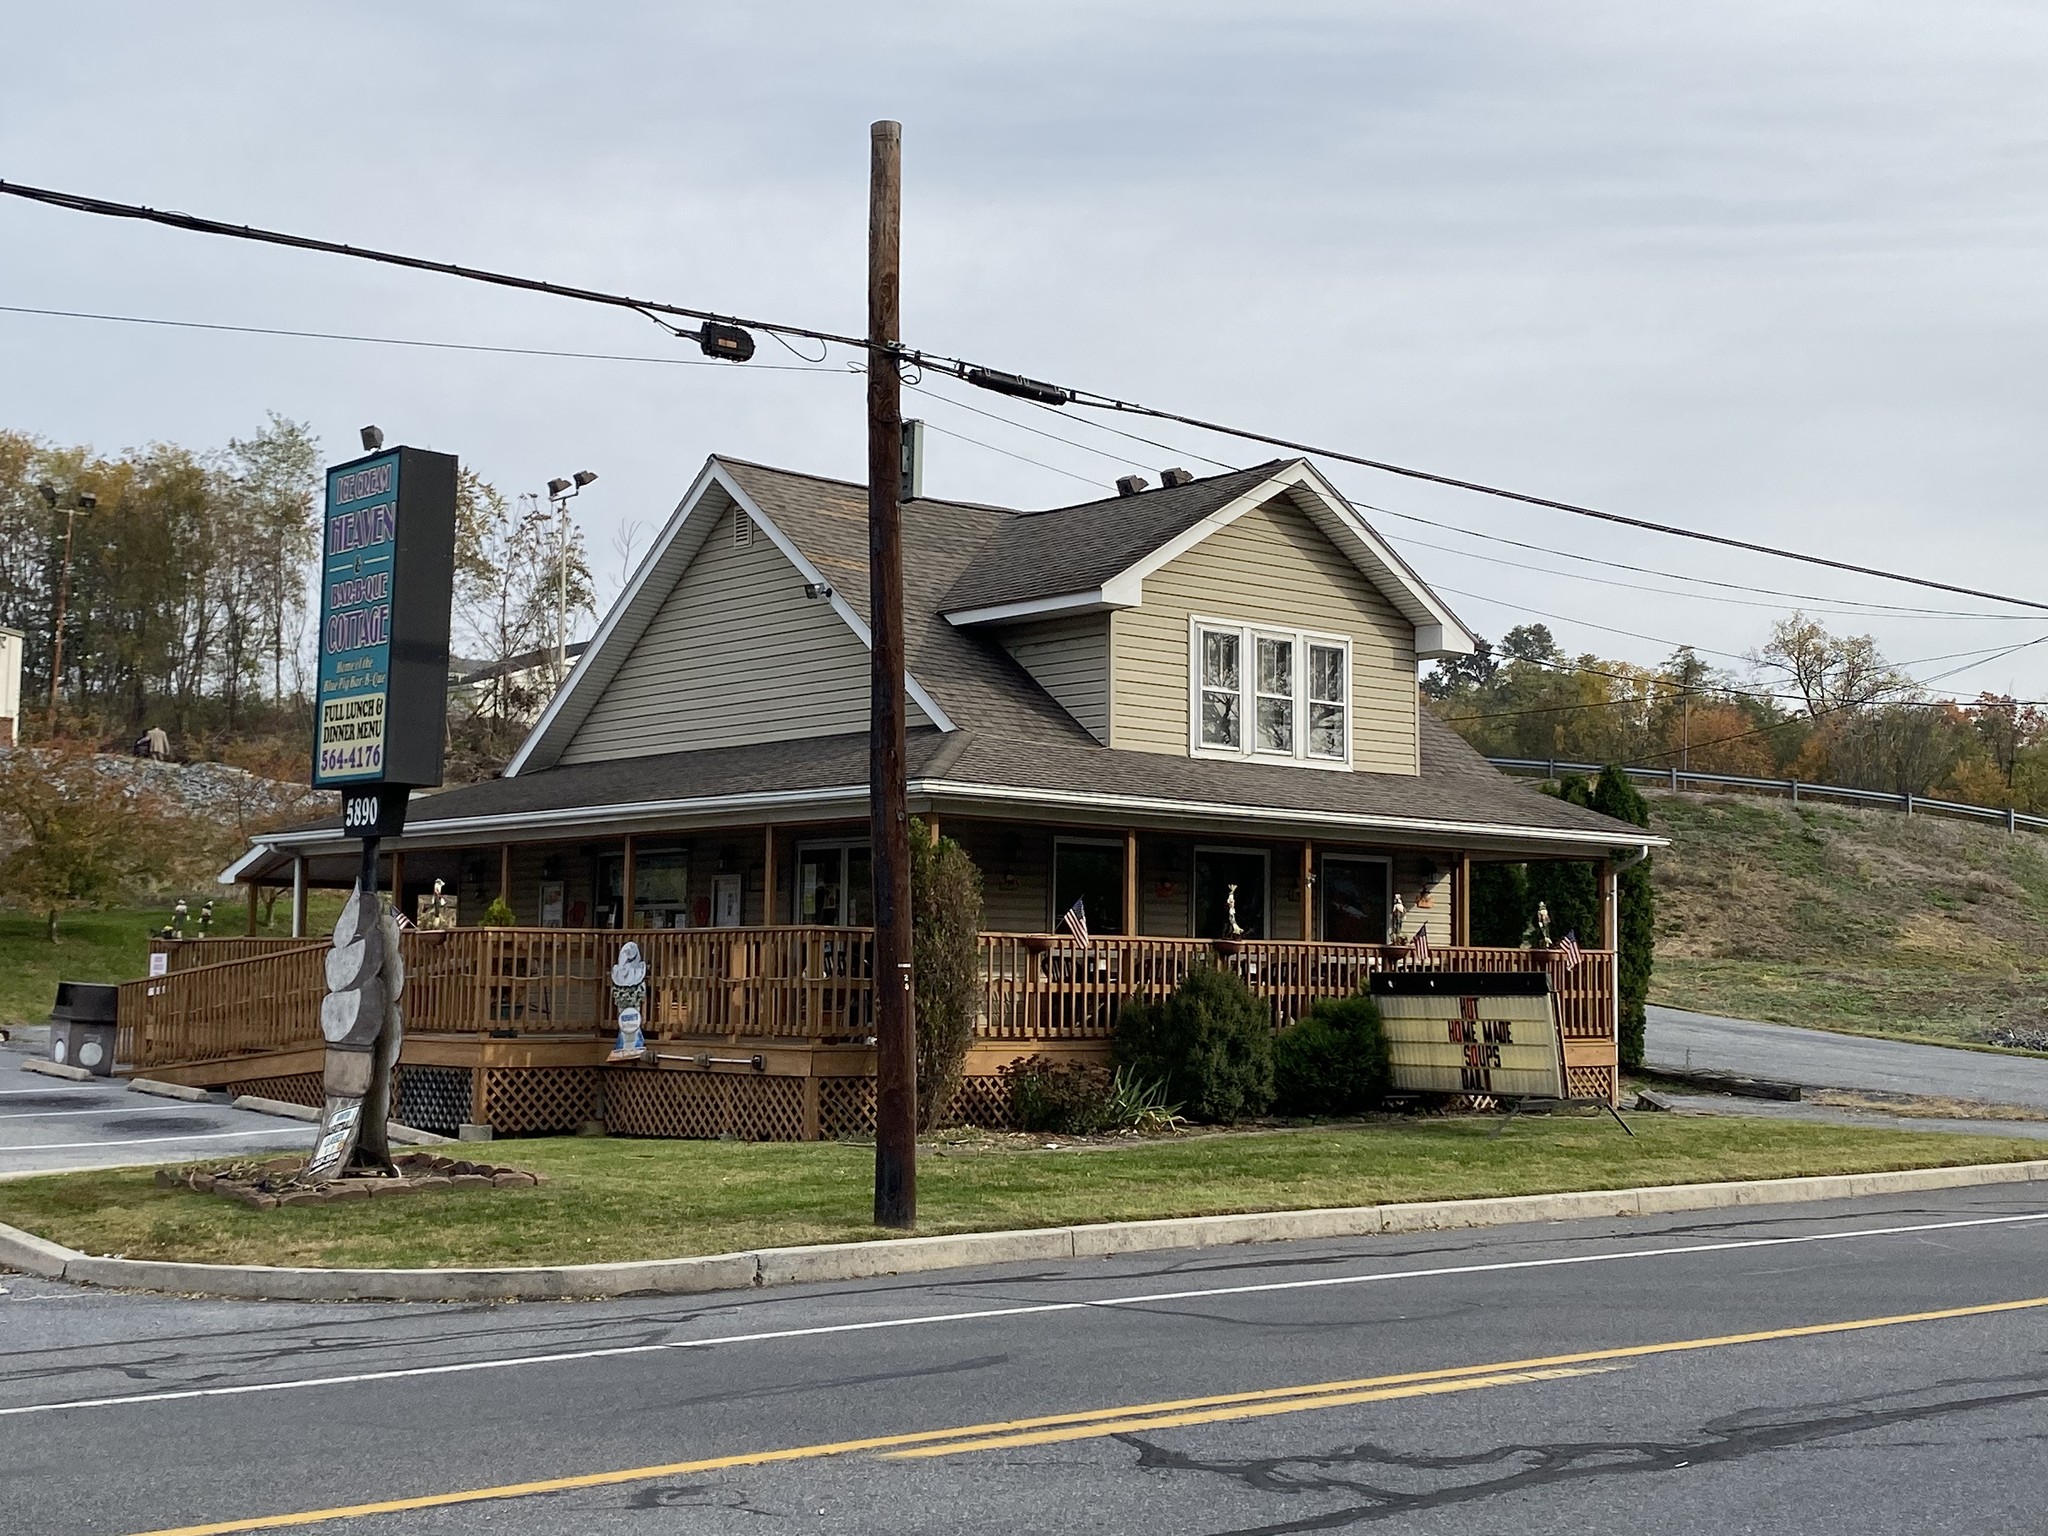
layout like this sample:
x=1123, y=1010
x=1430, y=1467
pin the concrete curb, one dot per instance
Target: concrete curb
x=57, y=1069
x=901, y=1256
x=168, y=1090
x=404, y=1135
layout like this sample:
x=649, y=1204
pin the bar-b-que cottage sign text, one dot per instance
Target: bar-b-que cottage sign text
x=386, y=553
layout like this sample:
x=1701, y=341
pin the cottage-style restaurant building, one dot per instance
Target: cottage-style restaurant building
x=1192, y=709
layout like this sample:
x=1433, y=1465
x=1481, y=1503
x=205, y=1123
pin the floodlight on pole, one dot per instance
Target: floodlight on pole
x=373, y=439
x=84, y=501
x=559, y=493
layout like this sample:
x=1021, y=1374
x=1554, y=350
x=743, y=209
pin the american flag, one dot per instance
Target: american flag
x=1418, y=947
x=1569, y=948
x=1077, y=923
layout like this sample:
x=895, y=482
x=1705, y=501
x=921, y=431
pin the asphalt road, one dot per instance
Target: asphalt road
x=1743, y=1371
x=51, y=1123
x=1816, y=1058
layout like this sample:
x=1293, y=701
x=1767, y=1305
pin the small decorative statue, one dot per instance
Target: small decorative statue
x=1230, y=912
x=437, y=912
x=178, y=915
x=1400, y=916
x=206, y=917
x=629, y=996
x=1543, y=924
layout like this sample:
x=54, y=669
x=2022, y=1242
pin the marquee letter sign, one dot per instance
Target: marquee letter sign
x=1472, y=1032
x=386, y=569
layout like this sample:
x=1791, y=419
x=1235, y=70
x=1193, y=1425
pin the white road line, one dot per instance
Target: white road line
x=1036, y=1309
x=145, y=1141
x=158, y=1108
x=22, y=1093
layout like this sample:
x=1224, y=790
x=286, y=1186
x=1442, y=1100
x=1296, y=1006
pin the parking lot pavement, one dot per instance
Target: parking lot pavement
x=48, y=1124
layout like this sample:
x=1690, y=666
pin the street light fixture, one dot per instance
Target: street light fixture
x=559, y=494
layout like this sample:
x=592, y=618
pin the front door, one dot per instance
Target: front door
x=1353, y=893
x=1227, y=881
x=835, y=885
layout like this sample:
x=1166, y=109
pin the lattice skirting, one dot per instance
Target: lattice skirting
x=297, y=1088
x=433, y=1099
x=846, y=1107
x=981, y=1101
x=1590, y=1083
x=704, y=1105
x=519, y=1101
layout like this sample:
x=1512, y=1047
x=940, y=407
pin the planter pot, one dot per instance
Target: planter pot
x=1040, y=943
x=1228, y=946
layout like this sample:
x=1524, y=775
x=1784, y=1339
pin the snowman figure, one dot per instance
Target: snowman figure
x=629, y=996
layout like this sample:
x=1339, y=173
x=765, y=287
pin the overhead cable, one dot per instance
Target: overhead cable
x=999, y=380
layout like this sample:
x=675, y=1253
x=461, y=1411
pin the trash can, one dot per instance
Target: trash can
x=83, y=1026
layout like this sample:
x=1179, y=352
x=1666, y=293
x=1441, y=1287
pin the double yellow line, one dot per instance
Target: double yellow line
x=1093, y=1423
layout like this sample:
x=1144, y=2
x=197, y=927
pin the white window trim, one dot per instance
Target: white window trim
x=1248, y=634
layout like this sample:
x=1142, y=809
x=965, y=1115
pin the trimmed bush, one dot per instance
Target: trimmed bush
x=1209, y=1047
x=499, y=914
x=1333, y=1061
x=945, y=965
x=1637, y=920
x=1061, y=1098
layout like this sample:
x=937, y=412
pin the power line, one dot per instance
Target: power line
x=988, y=378
x=407, y=341
x=932, y=426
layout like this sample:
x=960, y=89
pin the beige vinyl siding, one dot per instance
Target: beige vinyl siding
x=1271, y=566
x=1069, y=658
x=1016, y=872
x=736, y=655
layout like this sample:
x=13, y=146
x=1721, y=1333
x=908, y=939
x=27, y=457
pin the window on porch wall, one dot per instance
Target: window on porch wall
x=1225, y=877
x=1092, y=873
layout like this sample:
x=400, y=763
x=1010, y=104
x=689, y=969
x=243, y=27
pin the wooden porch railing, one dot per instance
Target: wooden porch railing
x=795, y=984
x=186, y=953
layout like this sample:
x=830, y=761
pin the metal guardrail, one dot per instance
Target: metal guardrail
x=1678, y=778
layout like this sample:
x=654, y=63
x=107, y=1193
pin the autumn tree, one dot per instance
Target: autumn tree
x=79, y=837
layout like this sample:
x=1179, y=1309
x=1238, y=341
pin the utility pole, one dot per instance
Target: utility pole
x=888, y=810
x=85, y=502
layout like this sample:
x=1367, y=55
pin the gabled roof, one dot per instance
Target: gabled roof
x=1097, y=554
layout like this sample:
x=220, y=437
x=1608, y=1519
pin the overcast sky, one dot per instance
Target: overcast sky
x=1770, y=269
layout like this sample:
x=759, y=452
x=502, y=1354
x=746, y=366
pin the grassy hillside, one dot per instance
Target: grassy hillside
x=1860, y=920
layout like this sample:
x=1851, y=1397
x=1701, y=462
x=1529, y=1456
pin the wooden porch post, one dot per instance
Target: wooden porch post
x=626, y=882
x=398, y=883
x=250, y=887
x=1130, y=884
x=505, y=873
x=1308, y=891
x=931, y=826
x=768, y=879
x=299, y=896
x=1461, y=901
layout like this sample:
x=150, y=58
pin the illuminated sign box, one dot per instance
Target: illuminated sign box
x=386, y=566
x=1472, y=1032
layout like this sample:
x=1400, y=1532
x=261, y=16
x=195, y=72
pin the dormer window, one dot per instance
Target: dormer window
x=1269, y=694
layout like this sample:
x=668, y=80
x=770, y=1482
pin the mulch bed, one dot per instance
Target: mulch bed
x=265, y=1186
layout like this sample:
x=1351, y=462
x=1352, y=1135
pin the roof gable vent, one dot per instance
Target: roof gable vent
x=1130, y=485
x=1175, y=476
x=742, y=531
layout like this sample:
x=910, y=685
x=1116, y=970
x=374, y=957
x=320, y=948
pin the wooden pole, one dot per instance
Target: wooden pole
x=1130, y=884
x=505, y=873
x=888, y=809
x=1461, y=902
x=250, y=886
x=398, y=884
x=768, y=876
x=1308, y=891
x=626, y=883
x=931, y=827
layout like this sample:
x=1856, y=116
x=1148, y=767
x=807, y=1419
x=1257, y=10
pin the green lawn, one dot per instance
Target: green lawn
x=619, y=1199
x=112, y=945
x=91, y=946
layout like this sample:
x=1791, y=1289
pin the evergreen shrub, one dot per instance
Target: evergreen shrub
x=1333, y=1061
x=945, y=965
x=1209, y=1047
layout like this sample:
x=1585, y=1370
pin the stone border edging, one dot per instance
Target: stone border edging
x=165, y=1090
x=57, y=1069
x=911, y=1255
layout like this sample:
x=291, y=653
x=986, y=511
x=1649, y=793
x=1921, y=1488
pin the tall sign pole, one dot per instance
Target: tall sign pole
x=386, y=570
x=888, y=810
